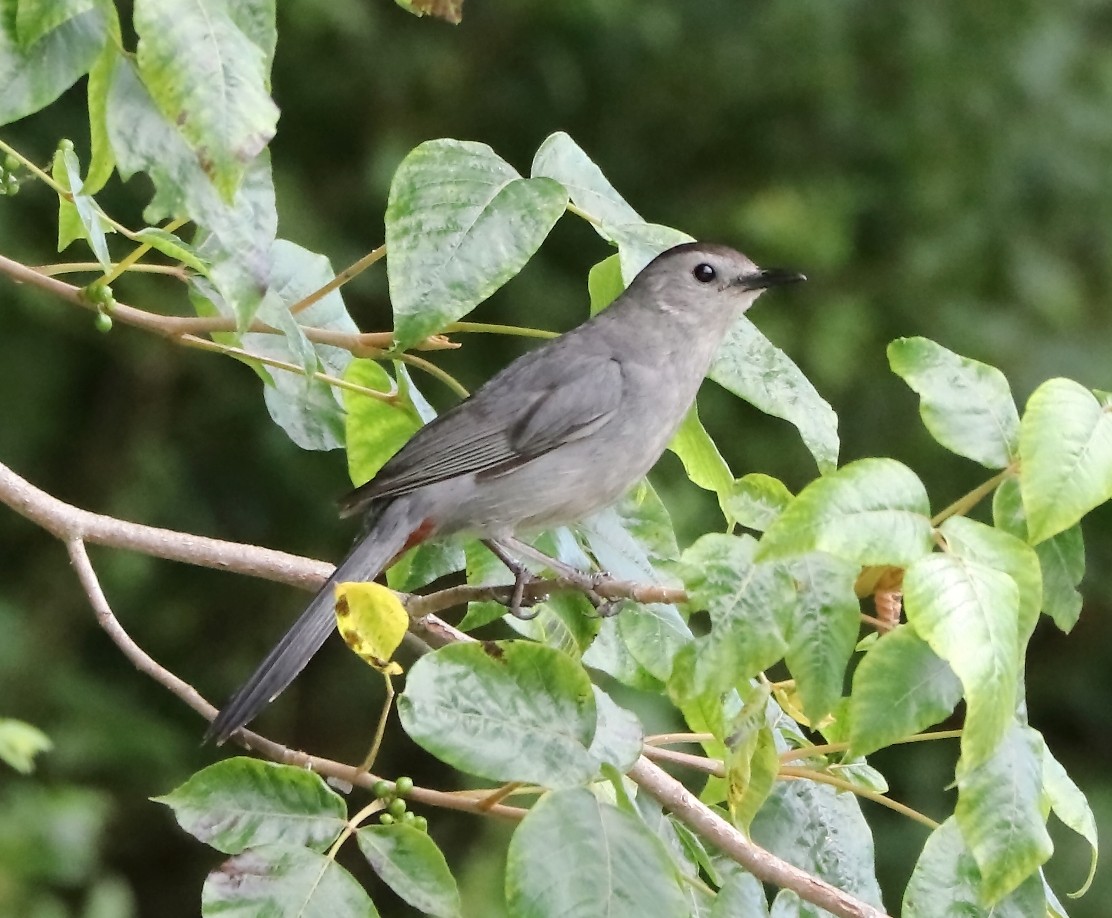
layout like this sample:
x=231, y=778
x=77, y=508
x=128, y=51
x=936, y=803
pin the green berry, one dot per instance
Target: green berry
x=66, y=144
x=408, y=816
x=11, y=164
x=419, y=822
x=403, y=786
x=103, y=322
x=386, y=819
x=381, y=789
x=396, y=807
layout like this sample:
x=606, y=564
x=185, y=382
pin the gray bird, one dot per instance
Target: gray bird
x=557, y=435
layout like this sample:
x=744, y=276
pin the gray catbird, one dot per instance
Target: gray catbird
x=560, y=433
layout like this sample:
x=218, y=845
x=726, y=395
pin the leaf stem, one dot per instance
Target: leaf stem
x=205, y=344
x=494, y=329
x=138, y=252
x=433, y=370
x=579, y=212
x=339, y=280
x=380, y=729
x=90, y=267
x=804, y=752
x=807, y=774
x=967, y=502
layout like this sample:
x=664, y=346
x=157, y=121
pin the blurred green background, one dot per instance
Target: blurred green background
x=936, y=169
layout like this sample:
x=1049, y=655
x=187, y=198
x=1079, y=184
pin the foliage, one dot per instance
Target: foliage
x=787, y=757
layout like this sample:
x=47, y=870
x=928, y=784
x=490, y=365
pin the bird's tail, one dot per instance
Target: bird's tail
x=385, y=536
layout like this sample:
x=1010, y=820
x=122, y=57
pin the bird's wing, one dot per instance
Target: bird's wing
x=533, y=407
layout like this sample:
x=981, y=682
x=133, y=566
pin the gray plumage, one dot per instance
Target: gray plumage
x=558, y=434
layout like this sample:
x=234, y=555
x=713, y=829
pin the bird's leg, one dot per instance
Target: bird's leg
x=522, y=576
x=584, y=582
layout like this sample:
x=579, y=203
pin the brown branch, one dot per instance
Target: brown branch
x=361, y=344
x=765, y=866
x=74, y=527
x=276, y=752
x=68, y=522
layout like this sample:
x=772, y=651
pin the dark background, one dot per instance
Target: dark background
x=936, y=169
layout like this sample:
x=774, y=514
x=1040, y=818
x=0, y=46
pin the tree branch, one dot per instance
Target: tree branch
x=696, y=815
x=361, y=344
x=74, y=527
x=142, y=661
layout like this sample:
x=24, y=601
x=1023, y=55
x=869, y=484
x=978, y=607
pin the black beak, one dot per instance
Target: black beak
x=768, y=277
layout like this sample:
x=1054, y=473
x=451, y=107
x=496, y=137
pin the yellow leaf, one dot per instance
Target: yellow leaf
x=372, y=622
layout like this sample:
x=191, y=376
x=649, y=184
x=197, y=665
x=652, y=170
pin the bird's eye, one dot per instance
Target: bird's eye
x=704, y=273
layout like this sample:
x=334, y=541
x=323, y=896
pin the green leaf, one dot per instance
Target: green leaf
x=35, y=18
x=604, y=283
x=78, y=218
x=618, y=737
x=237, y=239
x=822, y=629
x=374, y=429
x=639, y=243
x=615, y=866
x=170, y=245
x=999, y=812
x=283, y=881
x=210, y=80
x=306, y=408
x=102, y=161
x=505, y=710
x=256, y=19
x=823, y=833
x=34, y=75
x=1070, y=806
x=460, y=222
x=20, y=743
x=967, y=611
x=1001, y=551
x=900, y=688
x=754, y=369
x=410, y=863
x=630, y=541
x=424, y=563
x=755, y=500
x=1065, y=451
x=947, y=884
x=701, y=459
x=750, y=605
x=1061, y=557
x=561, y=158
x=241, y=803
x=872, y=512
x=967, y=406
x=741, y=895
x=752, y=764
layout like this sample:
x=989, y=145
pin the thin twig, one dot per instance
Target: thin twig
x=701, y=763
x=488, y=328
x=967, y=502
x=670, y=739
x=361, y=344
x=340, y=279
x=806, y=752
x=145, y=664
x=807, y=774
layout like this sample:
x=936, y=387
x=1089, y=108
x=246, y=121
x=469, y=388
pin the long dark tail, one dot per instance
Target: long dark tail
x=386, y=535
